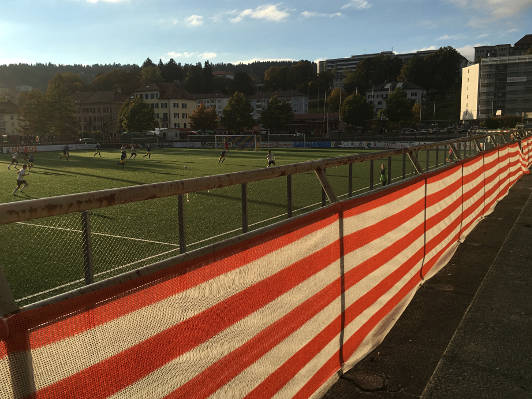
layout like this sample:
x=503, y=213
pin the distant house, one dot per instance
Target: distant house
x=171, y=104
x=97, y=113
x=298, y=101
x=218, y=101
x=9, y=119
x=378, y=95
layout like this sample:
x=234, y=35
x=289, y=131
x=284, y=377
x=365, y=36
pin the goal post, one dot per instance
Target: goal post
x=237, y=141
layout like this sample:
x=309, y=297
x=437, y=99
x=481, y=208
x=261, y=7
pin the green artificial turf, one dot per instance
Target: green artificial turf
x=44, y=257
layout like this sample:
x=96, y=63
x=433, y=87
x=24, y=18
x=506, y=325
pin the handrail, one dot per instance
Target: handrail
x=79, y=202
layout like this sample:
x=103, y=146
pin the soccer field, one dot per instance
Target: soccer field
x=44, y=257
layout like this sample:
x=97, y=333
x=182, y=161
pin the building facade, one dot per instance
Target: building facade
x=343, y=66
x=378, y=96
x=218, y=101
x=504, y=50
x=97, y=113
x=172, y=105
x=9, y=119
x=502, y=86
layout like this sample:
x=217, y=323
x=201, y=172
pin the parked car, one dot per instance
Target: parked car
x=87, y=140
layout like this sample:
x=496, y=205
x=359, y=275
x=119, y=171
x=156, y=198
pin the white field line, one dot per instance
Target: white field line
x=164, y=243
x=99, y=234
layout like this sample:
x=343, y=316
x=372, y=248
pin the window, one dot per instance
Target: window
x=165, y=116
x=175, y=105
x=152, y=95
x=156, y=105
x=185, y=125
x=176, y=124
x=183, y=105
x=164, y=105
x=176, y=115
x=146, y=96
x=184, y=116
x=157, y=116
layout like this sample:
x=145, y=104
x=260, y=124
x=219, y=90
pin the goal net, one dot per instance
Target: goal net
x=237, y=141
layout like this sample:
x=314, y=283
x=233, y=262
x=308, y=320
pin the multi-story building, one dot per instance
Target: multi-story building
x=171, y=104
x=503, y=50
x=497, y=86
x=97, y=113
x=298, y=102
x=377, y=96
x=218, y=101
x=342, y=66
x=9, y=119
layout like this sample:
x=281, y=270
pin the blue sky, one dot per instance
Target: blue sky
x=128, y=31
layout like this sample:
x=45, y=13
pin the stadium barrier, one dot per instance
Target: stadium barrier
x=274, y=312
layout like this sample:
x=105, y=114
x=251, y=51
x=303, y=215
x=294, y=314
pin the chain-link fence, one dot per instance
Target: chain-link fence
x=95, y=236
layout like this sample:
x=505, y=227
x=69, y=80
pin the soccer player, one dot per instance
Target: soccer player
x=98, y=148
x=30, y=162
x=14, y=160
x=450, y=155
x=148, y=151
x=271, y=159
x=66, y=153
x=133, y=152
x=382, y=175
x=222, y=157
x=123, y=156
x=20, y=179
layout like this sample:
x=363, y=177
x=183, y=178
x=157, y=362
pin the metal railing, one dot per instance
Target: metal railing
x=436, y=155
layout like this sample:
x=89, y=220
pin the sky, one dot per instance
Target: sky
x=129, y=31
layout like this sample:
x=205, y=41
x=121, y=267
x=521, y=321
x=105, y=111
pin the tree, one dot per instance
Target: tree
x=34, y=111
x=371, y=72
x=335, y=98
x=356, y=110
x=151, y=74
x=243, y=83
x=204, y=118
x=277, y=115
x=65, y=84
x=148, y=63
x=136, y=116
x=122, y=80
x=398, y=106
x=276, y=78
x=237, y=115
x=172, y=72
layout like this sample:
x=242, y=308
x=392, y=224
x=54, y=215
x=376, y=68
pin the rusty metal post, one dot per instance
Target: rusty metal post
x=244, y=208
x=181, y=224
x=289, y=195
x=371, y=174
x=87, y=249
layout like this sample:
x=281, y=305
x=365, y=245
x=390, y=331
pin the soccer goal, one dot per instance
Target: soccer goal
x=237, y=141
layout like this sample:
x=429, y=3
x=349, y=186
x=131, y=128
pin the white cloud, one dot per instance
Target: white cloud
x=468, y=50
x=482, y=35
x=268, y=12
x=492, y=10
x=424, y=49
x=357, y=4
x=311, y=14
x=207, y=55
x=106, y=1
x=194, y=20
x=449, y=37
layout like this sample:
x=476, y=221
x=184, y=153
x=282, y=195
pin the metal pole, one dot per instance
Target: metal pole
x=427, y=159
x=87, y=250
x=437, y=155
x=244, y=208
x=389, y=170
x=371, y=174
x=289, y=195
x=181, y=224
x=350, y=183
x=404, y=165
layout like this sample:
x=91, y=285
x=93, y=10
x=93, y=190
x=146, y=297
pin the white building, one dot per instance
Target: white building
x=469, y=97
x=378, y=95
x=218, y=101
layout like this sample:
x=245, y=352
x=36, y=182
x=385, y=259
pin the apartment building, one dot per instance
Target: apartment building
x=504, y=50
x=378, y=95
x=9, y=119
x=497, y=86
x=342, y=66
x=97, y=113
x=218, y=101
x=171, y=104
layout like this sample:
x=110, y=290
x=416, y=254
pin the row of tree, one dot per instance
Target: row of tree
x=136, y=115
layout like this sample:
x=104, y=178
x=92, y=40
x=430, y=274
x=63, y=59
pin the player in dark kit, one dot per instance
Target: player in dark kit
x=66, y=152
x=123, y=156
x=98, y=148
x=148, y=151
x=222, y=158
x=30, y=162
x=270, y=158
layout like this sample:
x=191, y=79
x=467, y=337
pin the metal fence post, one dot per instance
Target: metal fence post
x=181, y=224
x=244, y=208
x=87, y=250
x=289, y=195
x=350, y=183
x=389, y=170
x=427, y=159
x=371, y=174
x=437, y=155
x=404, y=165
